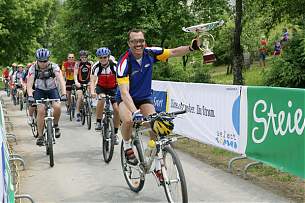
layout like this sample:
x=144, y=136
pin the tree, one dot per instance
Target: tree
x=22, y=22
x=237, y=49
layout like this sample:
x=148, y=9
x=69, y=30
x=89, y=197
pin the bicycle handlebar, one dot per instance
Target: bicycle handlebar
x=104, y=96
x=42, y=101
x=152, y=117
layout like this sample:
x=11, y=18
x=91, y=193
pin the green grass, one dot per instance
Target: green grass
x=252, y=76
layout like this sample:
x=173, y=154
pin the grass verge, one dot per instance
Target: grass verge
x=269, y=178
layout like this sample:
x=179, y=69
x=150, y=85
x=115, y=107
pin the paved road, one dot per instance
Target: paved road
x=80, y=174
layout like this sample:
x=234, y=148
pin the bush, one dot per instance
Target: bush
x=289, y=69
x=197, y=72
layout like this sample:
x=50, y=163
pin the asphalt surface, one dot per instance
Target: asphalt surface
x=81, y=175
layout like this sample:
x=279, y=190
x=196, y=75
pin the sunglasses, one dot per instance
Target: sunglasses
x=103, y=57
x=137, y=41
x=43, y=61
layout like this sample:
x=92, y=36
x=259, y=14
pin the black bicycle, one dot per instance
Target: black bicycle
x=34, y=120
x=7, y=86
x=72, y=106
x=49, y=130
x=15, y=94
x=20, y=98
x=173, y=179
x=107, y=131
x=86, y=110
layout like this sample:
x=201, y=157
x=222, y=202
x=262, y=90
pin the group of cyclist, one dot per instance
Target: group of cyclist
x=128, y=82
x=15, y=79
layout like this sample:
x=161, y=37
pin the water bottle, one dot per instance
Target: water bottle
x=150, y=152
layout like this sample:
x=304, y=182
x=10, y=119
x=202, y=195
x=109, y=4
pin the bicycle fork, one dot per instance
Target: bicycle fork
x=48, y=116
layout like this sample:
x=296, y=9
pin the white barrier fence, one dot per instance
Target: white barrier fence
x=213, y=112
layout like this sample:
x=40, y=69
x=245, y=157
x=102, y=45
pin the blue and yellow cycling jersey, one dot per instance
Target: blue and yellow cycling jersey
x=139, y=76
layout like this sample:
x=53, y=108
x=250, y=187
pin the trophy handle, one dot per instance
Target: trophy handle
x=205, y=40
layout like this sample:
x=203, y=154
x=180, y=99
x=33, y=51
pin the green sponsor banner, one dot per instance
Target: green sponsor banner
x=276, y=128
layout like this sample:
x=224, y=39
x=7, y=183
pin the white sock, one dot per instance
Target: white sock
x=127, y=144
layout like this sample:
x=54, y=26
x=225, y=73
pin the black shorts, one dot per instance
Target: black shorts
x=139, y=103
x=69, y=84
x=46, y=94
x=111, y=92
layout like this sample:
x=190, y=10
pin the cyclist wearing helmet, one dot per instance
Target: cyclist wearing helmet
x=6, y=76
x=82, y=73
x=24, y=79
x=104, y=82
x=17, y=81
x=11, y=74
x=134, y=76
x=43, y=73
x=68, y=72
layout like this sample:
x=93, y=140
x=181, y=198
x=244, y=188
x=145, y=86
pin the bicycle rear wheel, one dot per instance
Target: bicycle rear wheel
x=132, y=174
x=88, y=114
x=49, y=141
x=21, y=102
x=108, y=139
x=174, y=179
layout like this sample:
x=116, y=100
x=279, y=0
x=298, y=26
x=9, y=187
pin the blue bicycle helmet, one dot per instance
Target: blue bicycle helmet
x=42, y=54
x=103, y=51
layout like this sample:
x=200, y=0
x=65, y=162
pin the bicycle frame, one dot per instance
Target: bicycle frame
x=48, y=112
x=161, y=142
x=107, y=110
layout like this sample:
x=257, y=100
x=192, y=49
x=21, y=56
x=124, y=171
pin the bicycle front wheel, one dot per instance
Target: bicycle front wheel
x=83, y=115
x=132, y=174
x=108, y=139
x=174, y=179
x=49, y=141
x=88, y=115
x=21, y=102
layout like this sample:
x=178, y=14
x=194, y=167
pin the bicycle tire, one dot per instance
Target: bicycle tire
x=127, y=170
x=21, y=103
x=34, y=125
x=108, y=139
x=73, y=107
x=70, y=112
x=27, y=109
x=88, y=115
x=83, y=115
x=50, y=141
x=168, y=185
x=14, y=100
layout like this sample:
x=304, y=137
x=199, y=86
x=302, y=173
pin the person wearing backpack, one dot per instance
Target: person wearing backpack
x=104, y=82
x=43, y=75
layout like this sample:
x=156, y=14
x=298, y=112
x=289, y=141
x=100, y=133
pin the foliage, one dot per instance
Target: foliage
x=197, y=72
x=22, y=22
x=289, y=70
x=90, y=24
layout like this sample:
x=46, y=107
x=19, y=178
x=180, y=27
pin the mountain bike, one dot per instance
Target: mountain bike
x=14, y=93
x=6, y=86
x=49, y=130
x=72, y=106
x=20, y=98
x=34, y=123
x=173, y=180
x=107, y=131
x=86, y=110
